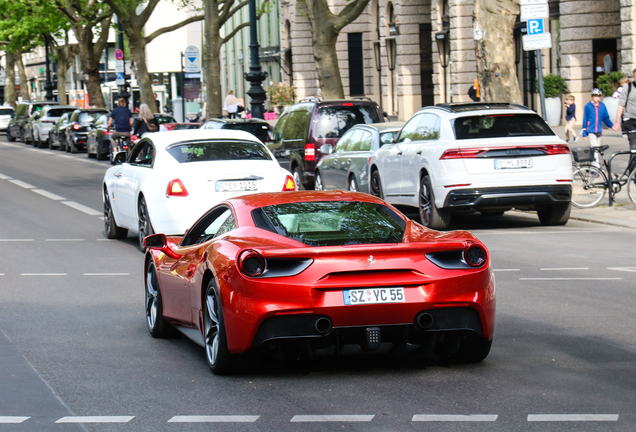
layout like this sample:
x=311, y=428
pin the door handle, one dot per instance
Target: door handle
x=117, y=174
x=399, y=153
x=419, y=153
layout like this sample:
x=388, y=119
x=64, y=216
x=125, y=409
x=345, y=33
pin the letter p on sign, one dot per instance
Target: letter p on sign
x=535, y=26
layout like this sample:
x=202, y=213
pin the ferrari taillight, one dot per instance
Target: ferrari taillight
x=251, y=263
x=76, y=126
x=289, y=185
x=475, y=255
x=310, y=152
x=176, y=188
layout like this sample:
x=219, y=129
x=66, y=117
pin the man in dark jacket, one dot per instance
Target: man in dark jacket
x=122, y=119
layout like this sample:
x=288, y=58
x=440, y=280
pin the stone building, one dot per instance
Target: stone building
x=589, y=38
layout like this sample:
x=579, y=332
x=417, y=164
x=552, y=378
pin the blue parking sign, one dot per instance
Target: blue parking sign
x=535, y=26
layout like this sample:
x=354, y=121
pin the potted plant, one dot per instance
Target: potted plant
x=609, y=83
x=280, y=95
x=553, y=87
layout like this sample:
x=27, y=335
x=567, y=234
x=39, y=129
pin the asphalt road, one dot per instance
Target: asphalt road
x=75, y=353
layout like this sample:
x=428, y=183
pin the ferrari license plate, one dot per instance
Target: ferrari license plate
x=239, y=185
x=513, y=163
x=373, y=296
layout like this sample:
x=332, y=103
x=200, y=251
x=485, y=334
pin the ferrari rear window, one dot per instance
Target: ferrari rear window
x=218, y=150
x=500, y=126
x=332, y=223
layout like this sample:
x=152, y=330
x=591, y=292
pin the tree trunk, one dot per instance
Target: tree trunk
x=24, y=83
x=62, y=68
x=90, y=65
x=212, y=61
x=138, y=54
x=327, y=61
x=493, y=23
x=9, y=88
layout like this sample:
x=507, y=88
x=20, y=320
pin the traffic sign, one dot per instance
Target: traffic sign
x=119, y=66
x=191, y=56
x=535, y=11
x=119, y=54
x=532, y=2
x=120, y=79
x=537, y=42
x=535, y=26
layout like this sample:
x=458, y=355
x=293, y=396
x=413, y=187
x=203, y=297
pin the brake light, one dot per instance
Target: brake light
x=472, y=153
x=108, y=132
x=555, y=149
x=310, y=152
x=462, y=153
x=176, y=189
x=76, y=126
x=347, y=104
x=290, y=185
x=475, y=254
x=251, y=263
x=458, y=185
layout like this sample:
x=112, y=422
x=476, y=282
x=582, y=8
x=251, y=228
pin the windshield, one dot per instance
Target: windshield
x=5, y=111
x=332, y=223
x=57, y=112
x=87, y=117
x=334, y=121
x=500, y=126
x=260, y=131
x=205, y=151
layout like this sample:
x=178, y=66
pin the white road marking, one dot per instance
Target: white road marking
x=214, y=419
x=573, y=417
x=22, y=184
x=455, y=418
x=13, y=419
x=16, y=240
x=64, y=156
x=106, y=240
x=48, y=194
x=96, y=419
x=332, y=418
x=627, y=269
x=43, y=274
x=82, y=208
x=505, y=270
x=546, y=279
x=65, y=240
x=566, y=268
x=4, y=177
x=106, y=274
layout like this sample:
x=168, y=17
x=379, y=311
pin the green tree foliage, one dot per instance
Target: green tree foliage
x=609, y=83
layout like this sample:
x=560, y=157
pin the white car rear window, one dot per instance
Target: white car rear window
x=218, y=150
x=500, y=126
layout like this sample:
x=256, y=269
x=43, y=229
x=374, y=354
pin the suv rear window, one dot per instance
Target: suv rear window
x=87, y=117
x=57, y=112
x=500, y=126
x=206, y=151
x=260, y=131
x=5, y=111
x=332, y=223
x=334, y=121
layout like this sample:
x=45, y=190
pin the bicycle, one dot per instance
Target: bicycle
x=592, y=179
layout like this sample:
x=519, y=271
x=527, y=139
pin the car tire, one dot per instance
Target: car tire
x=34, y=141
x=155, y=321
x=430, y=215
x=49, y=143
x=375, y=185
x=558, y=214
x=217, y=355
x=10, y=138
x=22, y=137
x=297, y=179
x=319, y=185
x=111, y=228
x=99, y=155
x=353, y=184
x=145, y=227
x=73, y=148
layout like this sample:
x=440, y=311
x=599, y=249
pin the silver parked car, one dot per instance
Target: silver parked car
x=42, y=121
x=347, y=166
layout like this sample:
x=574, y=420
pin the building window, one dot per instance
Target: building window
x=356, y=65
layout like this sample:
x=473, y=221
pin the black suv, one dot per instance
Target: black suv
x=80, y=123
x=304, y=127
x=257, y=127
x=23, y=113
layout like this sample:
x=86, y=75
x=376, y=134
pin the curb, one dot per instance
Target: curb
x=605, y=221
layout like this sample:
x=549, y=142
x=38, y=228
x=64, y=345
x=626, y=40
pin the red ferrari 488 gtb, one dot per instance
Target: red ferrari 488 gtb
x=325, y=273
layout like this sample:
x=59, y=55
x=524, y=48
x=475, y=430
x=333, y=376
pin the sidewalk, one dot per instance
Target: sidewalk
x=623, y=212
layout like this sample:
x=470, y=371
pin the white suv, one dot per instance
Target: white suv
x=482, y=157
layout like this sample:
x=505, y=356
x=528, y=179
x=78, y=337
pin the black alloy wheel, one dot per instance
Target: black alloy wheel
x=157, y=324
x=430, y=215
x=217, y=354
x=10, y=138
x=111, y=228
x=375, y=187
x=145, y=227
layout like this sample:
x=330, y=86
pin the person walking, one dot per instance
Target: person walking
x=473, y=92
x=146, y=122
x=570, y=119
x=231, y=104
x=619, y=90
x=122, y=119
x=594, y=115
x=626, y=113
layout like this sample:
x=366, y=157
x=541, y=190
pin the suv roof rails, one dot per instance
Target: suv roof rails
x=362, y=98
x=478, y=106
x=310, y=99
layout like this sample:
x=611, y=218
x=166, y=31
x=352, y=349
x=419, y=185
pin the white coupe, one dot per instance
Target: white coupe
x=171, y=178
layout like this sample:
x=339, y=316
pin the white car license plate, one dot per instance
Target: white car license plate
x=373, y=296
x=231, y=186
x=513, y=163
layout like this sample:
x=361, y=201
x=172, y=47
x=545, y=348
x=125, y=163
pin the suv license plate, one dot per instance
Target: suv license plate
x=231, y=186
x=513, y=163
x=373, y=296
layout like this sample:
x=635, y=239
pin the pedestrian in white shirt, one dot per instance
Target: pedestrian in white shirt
x=231, y=104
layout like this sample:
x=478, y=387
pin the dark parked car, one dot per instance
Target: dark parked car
x=57, y=134
x=98, y=138
x=308, y=125
x=80, y=123
x=346, y=167
x=257, y=127
x=23, y=113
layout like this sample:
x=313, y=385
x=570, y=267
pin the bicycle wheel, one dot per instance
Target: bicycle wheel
x=589, y=186
x=631, y=187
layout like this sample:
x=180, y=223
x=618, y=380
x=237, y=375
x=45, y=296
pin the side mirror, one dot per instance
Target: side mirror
x=384, y=113
x=120, y=157
x=160, y=242
x=326, y=149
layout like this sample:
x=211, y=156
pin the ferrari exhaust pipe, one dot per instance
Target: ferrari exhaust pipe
x=323, y=325
x=424, y=320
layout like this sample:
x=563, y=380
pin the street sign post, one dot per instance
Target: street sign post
x=536, y=40
x=191, y=58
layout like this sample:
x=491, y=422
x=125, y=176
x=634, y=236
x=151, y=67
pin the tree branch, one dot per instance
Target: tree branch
x=99, y=46
x=163, y=30
x=235, y=9
x=234, y=32
x=144, y=16
x=350, y=13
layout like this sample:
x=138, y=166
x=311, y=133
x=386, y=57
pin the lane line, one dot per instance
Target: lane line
x=332, y=418
x=13, y=419
x=64, y=156
x=106, y=274
x=565, y=279
x=4, y=177
x=455, y=418
x=43, y=274
x=64, y=240
x=565, y=268
x=82, y=208
x=48, y=194
x=542, y=232
x=572, y=417
x=506, y=270
x=95, y=419
x=627, y=269
x=16, y=240
x=214, y=419
x=106, y=240
x=22, y=184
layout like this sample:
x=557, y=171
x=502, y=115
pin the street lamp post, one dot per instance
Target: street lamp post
x=49, y=85
x=255, y=75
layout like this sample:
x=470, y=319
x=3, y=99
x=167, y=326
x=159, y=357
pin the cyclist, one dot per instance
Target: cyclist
x=626, y=113
x=122, y=118
x=146, y=122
